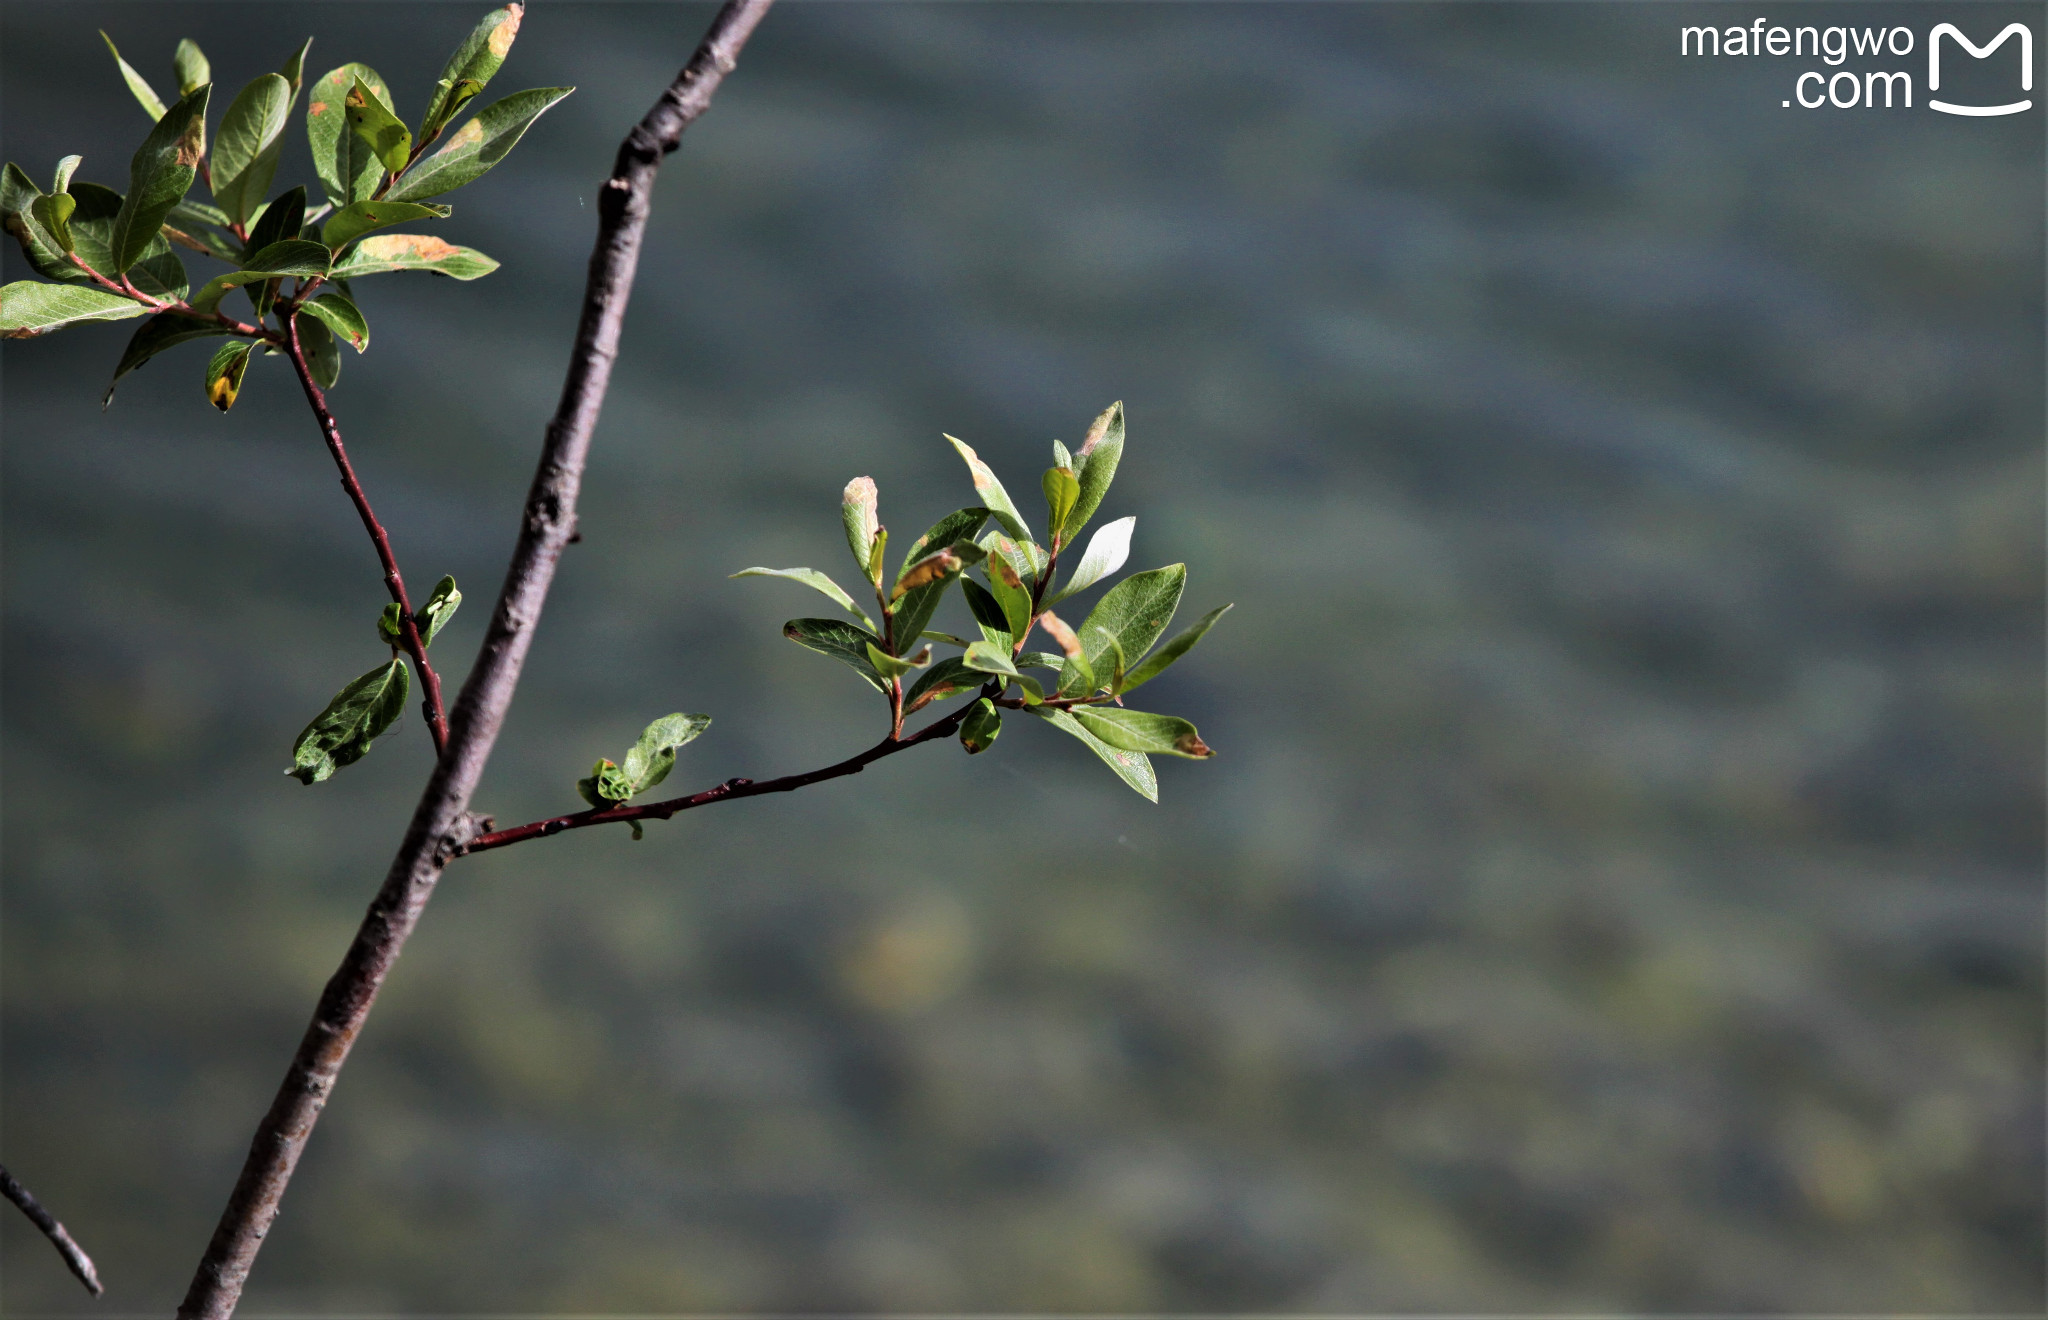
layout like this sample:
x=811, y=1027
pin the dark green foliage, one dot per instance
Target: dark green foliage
x=113, y=250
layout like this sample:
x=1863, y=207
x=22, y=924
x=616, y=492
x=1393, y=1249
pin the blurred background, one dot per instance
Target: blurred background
x=1620, y=884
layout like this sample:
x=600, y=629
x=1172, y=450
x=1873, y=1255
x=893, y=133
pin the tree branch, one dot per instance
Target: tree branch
x=729, y=791
x=74, y=1255
x=408, y=630
x=441, y=823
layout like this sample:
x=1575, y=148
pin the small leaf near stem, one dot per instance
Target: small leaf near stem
x=224, y=373
x=342, y=734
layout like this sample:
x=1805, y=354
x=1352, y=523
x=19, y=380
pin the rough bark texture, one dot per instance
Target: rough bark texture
x=441, y=824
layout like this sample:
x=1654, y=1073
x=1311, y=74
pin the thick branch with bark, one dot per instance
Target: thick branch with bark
x=74, y=1255
x=441, y=824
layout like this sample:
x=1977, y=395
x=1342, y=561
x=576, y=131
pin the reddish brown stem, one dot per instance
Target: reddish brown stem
x=409, y=633
x=74, y=1256
x=729, y=791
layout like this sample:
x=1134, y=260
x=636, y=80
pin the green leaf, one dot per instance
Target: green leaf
x=158, y=178
x=440, y=607
x=959, y=525
x=68, y=166
x=978, y=731
x=1099, y=456
x=390, y=625
x=17, y=190
x=358, y=218
x=370, y=119
x=923, y=582
x=1131, y=767
x=30, y=307
x=606, y=787
x=988, y=615
x=359, y=713
x=293, y=70
x=381, y=252
x=1061, y=458
x=53, y=213
x=1008, y=585
x=992, y=493
x=1133, y=612
x=945, y=637
x=293, y=256
x=224, y=373
x=946, y=678
x=1075, y=670
x=246, y=147
x=152, y=104
x=842, y=641
x=283, y=218
x=1178, y=646
x=1061, y=491
x=817, y=581
x=275, y=223
x=159, y=273
x=1142, y=731
x=348, y=168
x=1107, y=550
x=193, y=214
x=342, y=317
x=153, y=336
x=891, y=666
x=859, y=511
x=649, y=760
x=1040, y=660
x=191, y=65
x=992, y=660
x=474, y=63
x=474, y=148
x=323, y=355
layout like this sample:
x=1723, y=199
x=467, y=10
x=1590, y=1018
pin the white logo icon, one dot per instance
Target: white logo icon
x=1980, y=52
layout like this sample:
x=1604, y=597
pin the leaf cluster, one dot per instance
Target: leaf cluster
x=1110, y=654
x=105, y=255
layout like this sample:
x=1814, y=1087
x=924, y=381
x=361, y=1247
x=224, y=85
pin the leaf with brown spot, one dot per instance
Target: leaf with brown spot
x=348, y=169
x=224, y=373
x=991, y=491
x=1142, y=731
x=859, y=511
x=387, y=252
x=477, y=146
x=926, y=571
x=158, y=178
x=1098, y=459
x=475, y=62
x=1058, y=630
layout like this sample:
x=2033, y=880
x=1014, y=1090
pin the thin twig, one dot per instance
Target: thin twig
x=408, y=630
x=441, y=823
x=729, y=791
x=73, y=1254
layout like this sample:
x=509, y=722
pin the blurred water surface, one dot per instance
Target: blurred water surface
x=1620, y=886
